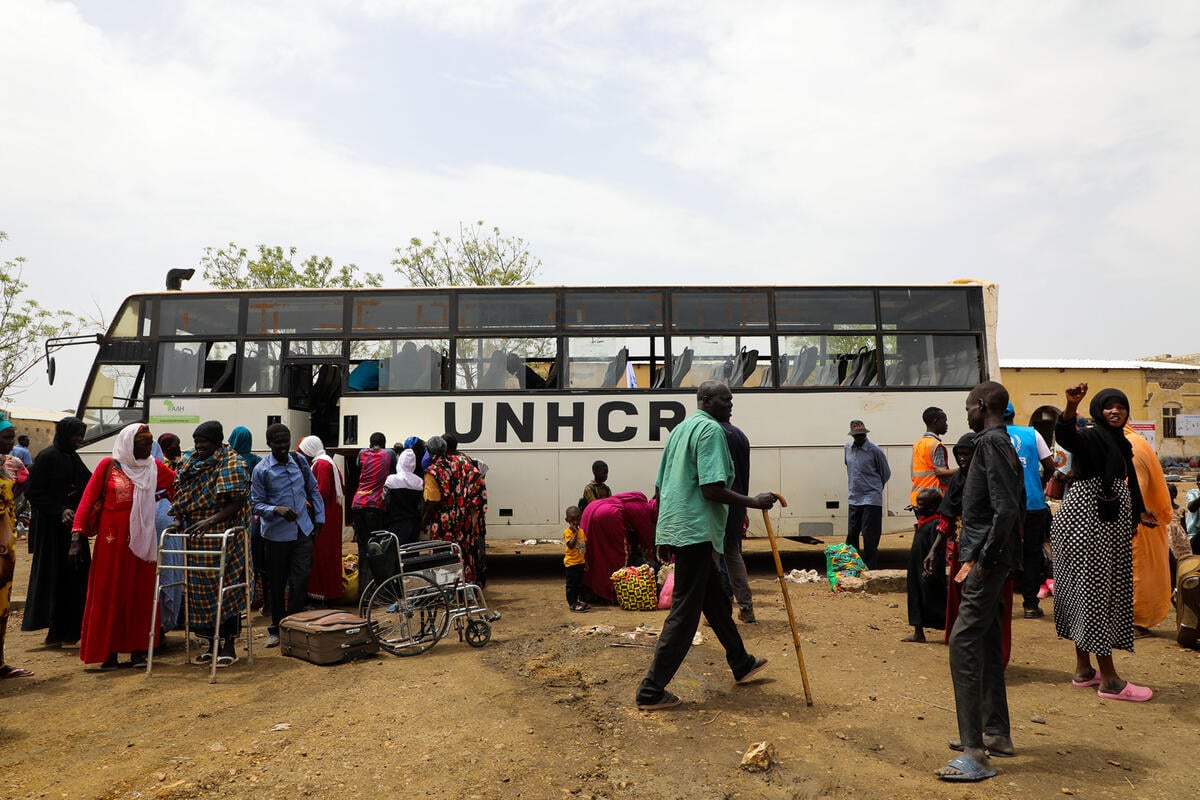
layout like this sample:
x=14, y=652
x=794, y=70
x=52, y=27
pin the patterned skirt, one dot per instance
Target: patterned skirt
x=202, y=585
x=1093, y=570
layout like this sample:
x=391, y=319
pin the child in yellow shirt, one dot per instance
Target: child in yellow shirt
x=575, y=541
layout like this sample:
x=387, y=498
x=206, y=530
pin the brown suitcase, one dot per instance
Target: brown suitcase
x=326, y=636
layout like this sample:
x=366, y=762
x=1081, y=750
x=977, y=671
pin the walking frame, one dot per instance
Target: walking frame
x=225, y=539
x=787, y=601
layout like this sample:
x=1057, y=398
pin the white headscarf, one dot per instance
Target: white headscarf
x=406, y=476
x=314, y=448
x=143, y=473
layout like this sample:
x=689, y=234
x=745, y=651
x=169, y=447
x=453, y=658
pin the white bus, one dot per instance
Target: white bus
x=539, y=382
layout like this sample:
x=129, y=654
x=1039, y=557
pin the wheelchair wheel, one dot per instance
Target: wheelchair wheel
x=478, y=633
x=410, y=613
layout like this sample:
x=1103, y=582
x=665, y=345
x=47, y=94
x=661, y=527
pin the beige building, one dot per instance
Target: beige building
x=1164, y=394
x=36, y=423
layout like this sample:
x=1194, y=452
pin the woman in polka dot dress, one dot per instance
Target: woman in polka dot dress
x=1092, y=536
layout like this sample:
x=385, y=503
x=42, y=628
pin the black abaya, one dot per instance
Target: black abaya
x=57, y=588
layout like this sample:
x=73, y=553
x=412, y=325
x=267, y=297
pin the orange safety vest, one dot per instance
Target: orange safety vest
x=923, y=476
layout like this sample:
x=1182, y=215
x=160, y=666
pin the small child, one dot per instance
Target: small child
x=597, y=489
x=926, y=570
x=576, y=543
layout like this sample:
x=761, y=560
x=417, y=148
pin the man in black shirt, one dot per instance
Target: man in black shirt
x=989, y=550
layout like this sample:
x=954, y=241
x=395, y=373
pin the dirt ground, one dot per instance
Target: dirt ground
x=546, y=710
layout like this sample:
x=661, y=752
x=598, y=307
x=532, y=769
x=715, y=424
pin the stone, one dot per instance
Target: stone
x=759, y=757
x=885, y=581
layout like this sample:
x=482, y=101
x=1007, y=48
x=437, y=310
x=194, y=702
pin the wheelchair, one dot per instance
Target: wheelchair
x=417, y=593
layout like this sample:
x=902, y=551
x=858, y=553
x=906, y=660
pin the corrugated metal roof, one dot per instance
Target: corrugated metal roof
x=41, y=414
x=1086, y=363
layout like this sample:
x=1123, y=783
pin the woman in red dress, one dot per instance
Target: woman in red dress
x=120, y=597
x=325, y=579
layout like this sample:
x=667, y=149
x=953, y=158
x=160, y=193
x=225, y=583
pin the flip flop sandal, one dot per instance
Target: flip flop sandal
x=956, y=745
x=226, y=661
x=14, y=672
x=1132, y=692
x=1092, y=681
x=204, y=657
x=969, y=771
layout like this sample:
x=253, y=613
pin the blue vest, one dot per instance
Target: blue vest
x=1024, y=441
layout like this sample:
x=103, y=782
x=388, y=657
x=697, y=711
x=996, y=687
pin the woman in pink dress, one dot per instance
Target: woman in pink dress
x=612, y=525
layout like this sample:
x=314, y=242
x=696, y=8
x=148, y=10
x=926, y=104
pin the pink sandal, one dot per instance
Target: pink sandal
x=1132, y=692
x=1092, y=681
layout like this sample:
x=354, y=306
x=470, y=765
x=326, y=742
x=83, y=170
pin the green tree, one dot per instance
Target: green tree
x=477, y=256
x=24, y=327
x=231, y=267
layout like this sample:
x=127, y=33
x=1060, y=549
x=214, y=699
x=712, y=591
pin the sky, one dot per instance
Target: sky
x=1051, y=147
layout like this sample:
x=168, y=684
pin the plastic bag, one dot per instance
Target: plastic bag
x=350, y=577
x=667, y=594
x=842, y=559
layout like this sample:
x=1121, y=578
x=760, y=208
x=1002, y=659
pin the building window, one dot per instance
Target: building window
x=1168, y=421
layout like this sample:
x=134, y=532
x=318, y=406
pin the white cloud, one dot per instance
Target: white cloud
x=775, y=142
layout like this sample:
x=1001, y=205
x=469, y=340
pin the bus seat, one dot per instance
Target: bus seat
x=616, y=369
x=870, y=369
x=767, y=372
x=803, y=365
x=660, y=378
x=826, y=375
x=743, y=367
x=495, y=374
x=784, y=363
x=724, y=371
x=681, y=366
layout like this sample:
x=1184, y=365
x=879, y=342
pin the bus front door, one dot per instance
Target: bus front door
x=313, y=390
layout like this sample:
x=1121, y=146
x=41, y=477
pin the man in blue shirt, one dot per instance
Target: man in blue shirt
x=867, y=472
x=1037, y=466
x=21, y=451
x=286, y=499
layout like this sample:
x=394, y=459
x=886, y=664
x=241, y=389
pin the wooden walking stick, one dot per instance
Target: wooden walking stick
x=787, y=600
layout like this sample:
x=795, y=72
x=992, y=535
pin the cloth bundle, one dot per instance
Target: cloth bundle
x=636, y=588
x=842, y=560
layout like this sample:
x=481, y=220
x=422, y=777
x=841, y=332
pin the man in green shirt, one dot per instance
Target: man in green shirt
x=693, y=499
